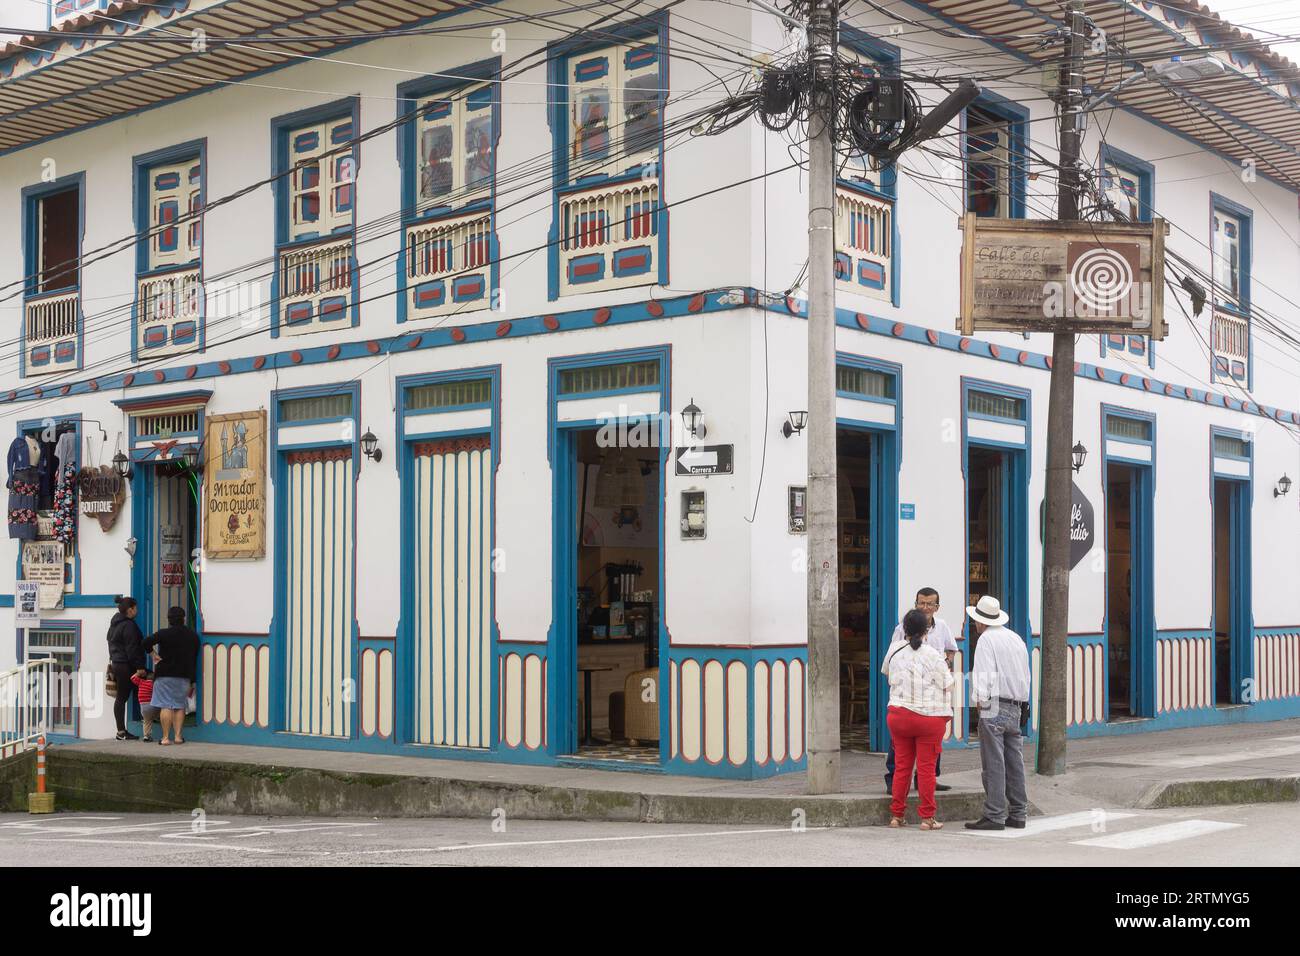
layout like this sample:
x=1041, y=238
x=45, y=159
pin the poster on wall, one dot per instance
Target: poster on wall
x=27, y=604
x=171, y=556
x=234, y=520
x=43, y=564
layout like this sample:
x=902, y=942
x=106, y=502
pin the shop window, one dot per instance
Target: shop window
x=316, y=408
x=321, y=194
x=994, y=155
x=439, y=396
x=604, y=378
x=58, y=222
x=44, y=515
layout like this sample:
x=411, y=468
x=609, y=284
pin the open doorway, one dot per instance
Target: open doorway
x=1231, y=589
x=615, y=607
x=164, y=567
x=1130, y=623
x=856, y=539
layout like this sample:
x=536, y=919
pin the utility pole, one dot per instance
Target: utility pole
x=823, y=533
x=1060, y=429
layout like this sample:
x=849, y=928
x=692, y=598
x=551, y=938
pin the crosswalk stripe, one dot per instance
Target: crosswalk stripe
x=1153, y=836
x=1067, y=821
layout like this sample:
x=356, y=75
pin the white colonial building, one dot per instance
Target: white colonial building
x=403, y=272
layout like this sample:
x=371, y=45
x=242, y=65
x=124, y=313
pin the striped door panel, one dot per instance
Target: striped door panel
x=451, y=582
x=320, y=502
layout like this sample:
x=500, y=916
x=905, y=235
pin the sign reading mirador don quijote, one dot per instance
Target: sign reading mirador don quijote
x=235, y=471
x=1022, y=275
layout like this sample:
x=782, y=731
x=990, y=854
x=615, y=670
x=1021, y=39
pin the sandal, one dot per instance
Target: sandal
x=179, y=740
x=897, y=822
x=931, y=824
x=164, y=742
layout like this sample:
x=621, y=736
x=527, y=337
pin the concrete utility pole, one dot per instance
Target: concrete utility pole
x=1060, y=429
x=823, y=531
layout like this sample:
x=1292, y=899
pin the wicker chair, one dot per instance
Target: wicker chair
x=640, y=717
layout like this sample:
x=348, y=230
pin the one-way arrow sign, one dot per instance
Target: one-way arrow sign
x=705, y=460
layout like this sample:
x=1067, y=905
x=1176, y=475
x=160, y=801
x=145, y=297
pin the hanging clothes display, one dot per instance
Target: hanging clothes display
x=23, y=486
x=48, y=472
x=65, y=488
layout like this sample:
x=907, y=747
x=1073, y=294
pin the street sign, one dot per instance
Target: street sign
x=1082, y=525
x=907, y=511
x=705, y=460
x=1021, y=275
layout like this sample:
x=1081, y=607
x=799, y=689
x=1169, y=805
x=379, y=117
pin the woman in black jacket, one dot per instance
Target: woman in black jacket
x=126, y=658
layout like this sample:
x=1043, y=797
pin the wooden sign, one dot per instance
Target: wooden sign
x=1021, y=275
x=102, y=491
x=234, y=452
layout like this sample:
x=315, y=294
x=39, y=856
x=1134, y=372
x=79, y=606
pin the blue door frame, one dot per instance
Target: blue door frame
x=1239, y=624
x=144, y=521
x=1142, y=621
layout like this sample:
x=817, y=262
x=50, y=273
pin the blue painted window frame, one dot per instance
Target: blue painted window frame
x=1017, y=118
x=281, y=127
x=141, y=166
x=1145, y=174
x=31, y=197
x=408, y=94
x=1246, y=217
x=558, y=55
x=23, y=654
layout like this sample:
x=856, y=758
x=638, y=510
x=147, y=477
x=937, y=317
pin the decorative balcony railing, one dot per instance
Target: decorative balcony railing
x=449, y=265
x=864, y=243
x=1231, y=346
x=315, y=286
x=52, y=326
x=609, y=236
x=169, y=312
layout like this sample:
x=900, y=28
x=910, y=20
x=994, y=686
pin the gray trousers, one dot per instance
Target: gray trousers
x=1003, y=763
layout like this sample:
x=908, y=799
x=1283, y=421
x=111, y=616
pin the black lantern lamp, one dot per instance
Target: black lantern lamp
x=192, y=459
x=1078, y=455
x=370, y=446
x=122, y=465
x=1283, y=486
x=693, y=420
x=798, y=422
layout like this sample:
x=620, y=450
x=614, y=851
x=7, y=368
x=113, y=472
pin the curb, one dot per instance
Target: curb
x=89, y=781
x=1209, y=793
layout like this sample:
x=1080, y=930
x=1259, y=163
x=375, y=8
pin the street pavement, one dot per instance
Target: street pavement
x=1253, y=835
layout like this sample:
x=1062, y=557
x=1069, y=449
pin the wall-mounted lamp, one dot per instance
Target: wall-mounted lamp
x=1078, y=455
x=122, y=465
x=1283, y=486
x=798, y=422
x=192, y=459
x=370, y=446
x=693, y=420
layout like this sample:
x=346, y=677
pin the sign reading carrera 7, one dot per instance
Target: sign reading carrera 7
x=1022, y=275
x=234, y=451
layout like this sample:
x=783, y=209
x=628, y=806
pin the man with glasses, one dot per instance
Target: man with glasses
x=940, y=638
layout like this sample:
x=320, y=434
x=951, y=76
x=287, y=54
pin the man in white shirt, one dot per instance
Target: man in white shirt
x=940, y=638
x=999, y=686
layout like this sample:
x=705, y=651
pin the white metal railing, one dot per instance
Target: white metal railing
x=448, y=246
x=29, y=698
x=52, y=317
x=170, y=297
x=316, y=270
x=1231, y=335
x=609, y=215
x=863, y=224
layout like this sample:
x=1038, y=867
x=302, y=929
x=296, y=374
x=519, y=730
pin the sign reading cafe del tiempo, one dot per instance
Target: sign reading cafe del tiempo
x=235, y=466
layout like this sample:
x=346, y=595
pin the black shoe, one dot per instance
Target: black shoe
x=941, y=786
x=1015, y=824
x=126, y=735
x=984, y=823
x=889, y=785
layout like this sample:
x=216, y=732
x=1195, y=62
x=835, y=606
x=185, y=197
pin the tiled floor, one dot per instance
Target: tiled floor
x=855, y=737
x=621, y=752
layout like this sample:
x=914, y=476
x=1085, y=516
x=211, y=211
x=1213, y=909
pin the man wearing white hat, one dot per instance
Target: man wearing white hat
x=1000, y=688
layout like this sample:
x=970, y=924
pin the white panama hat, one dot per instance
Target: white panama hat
x=988, y=611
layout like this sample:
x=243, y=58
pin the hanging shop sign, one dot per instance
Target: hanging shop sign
x=27, y=604
x=1022, y=275
x=43, y=564
x=705, y=460
x=1082, y=525
x=234, y=450
x=102, y=492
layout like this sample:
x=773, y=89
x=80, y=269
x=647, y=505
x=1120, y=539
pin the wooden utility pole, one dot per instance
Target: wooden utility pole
x=1060, y=430
x=823, y=536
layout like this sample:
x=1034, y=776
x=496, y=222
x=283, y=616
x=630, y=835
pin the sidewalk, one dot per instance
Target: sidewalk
x=1194, y=767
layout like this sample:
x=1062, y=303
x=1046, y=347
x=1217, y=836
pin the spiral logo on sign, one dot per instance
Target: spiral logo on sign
x=1100, y=278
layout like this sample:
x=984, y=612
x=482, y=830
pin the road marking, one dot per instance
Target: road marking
x=1153, y=836
x=613, y=839
x=1036, y=825
x=164, y=846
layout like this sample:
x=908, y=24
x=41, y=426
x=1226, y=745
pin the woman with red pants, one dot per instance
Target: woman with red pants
x=919, y=710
